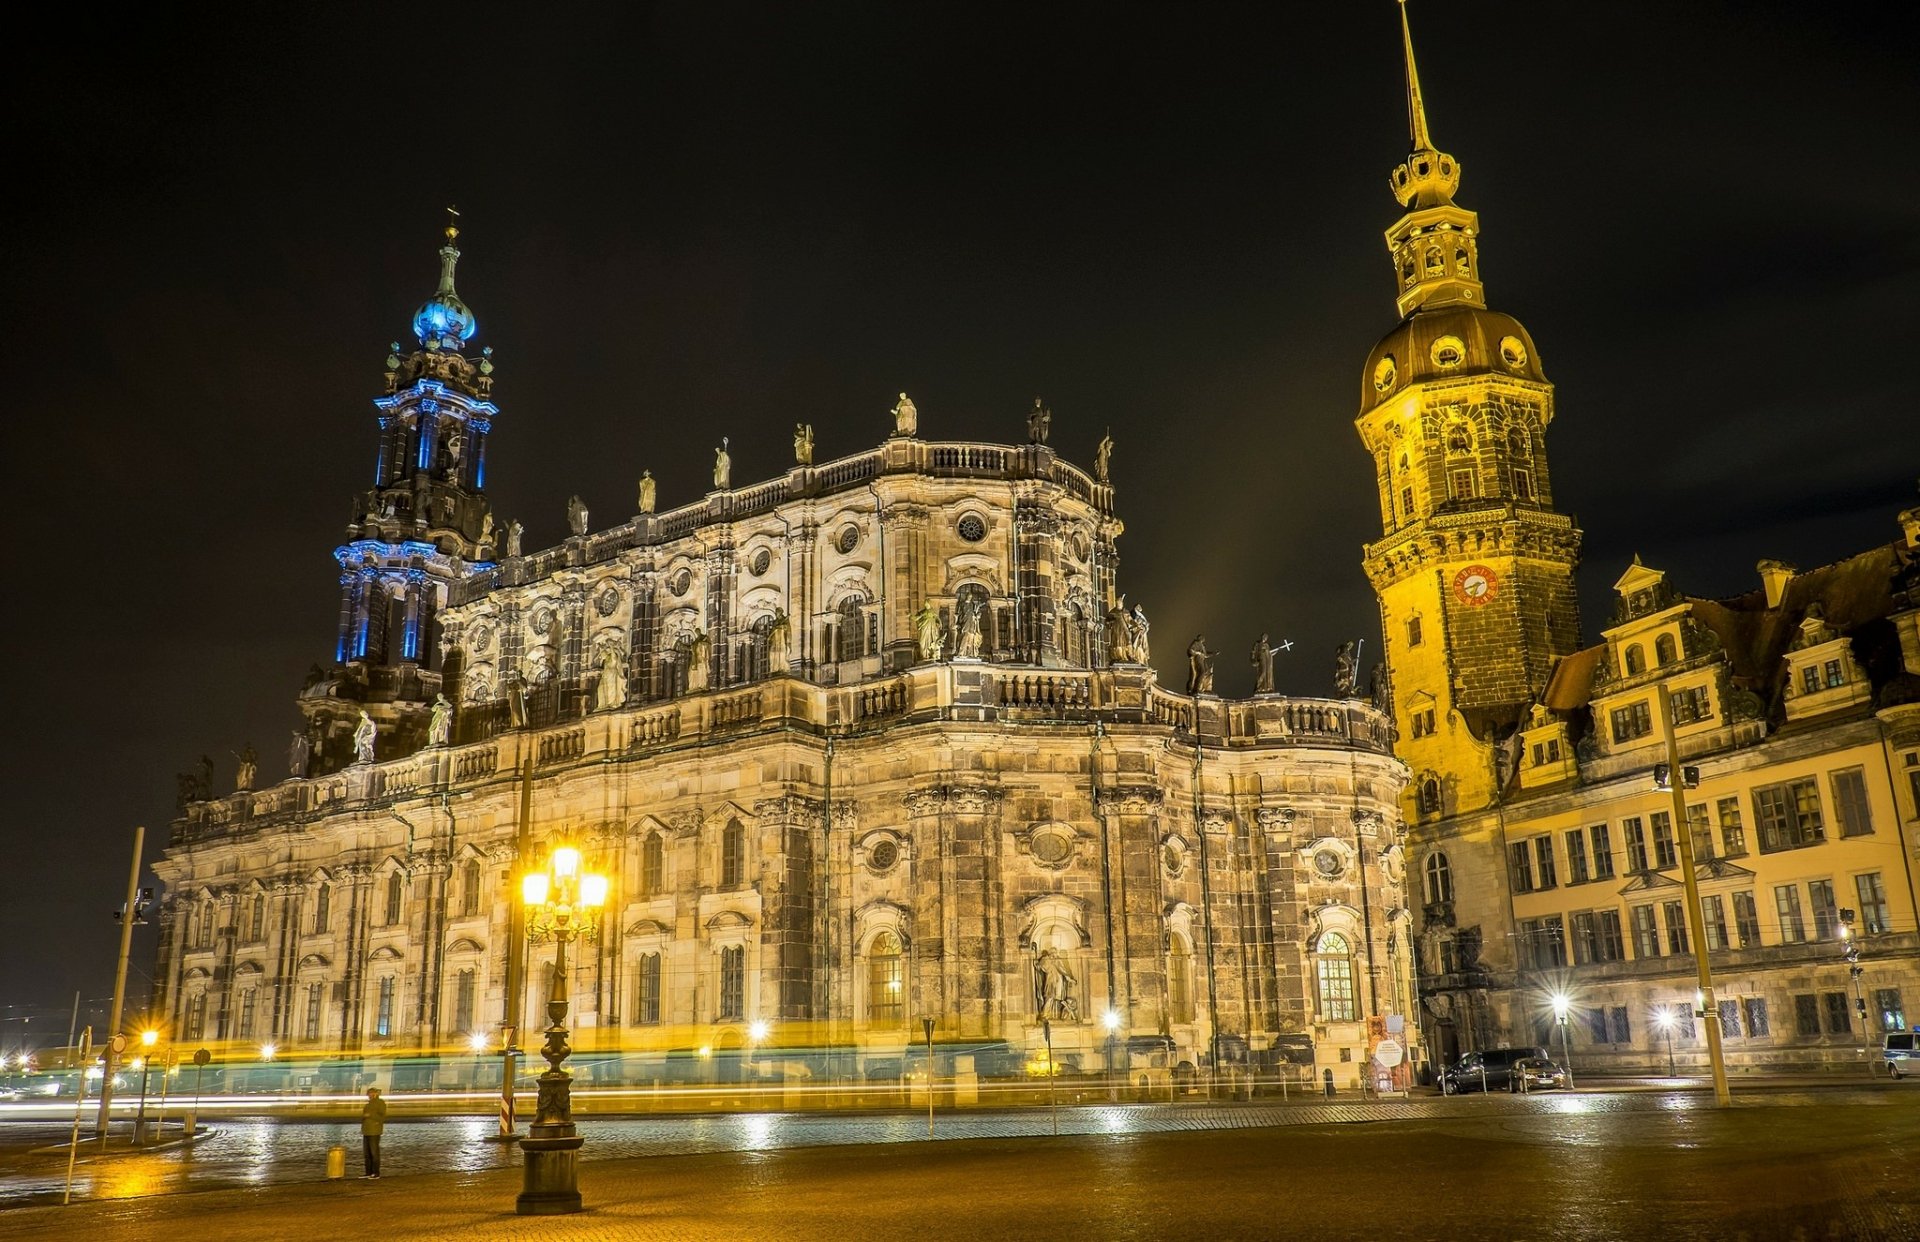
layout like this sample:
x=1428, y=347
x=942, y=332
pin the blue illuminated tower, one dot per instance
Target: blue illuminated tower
x=424, y=523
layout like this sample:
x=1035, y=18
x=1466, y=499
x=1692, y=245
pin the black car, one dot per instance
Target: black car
x=1493, y=1069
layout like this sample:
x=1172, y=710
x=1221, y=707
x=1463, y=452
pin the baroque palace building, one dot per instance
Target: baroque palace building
x=1546, y=858
x=873, y=741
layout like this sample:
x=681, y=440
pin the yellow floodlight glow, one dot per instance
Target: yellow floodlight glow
x=593, y=890
x=533, y=888
x=149, y=1037
x=477, y=1041
x=566, y=862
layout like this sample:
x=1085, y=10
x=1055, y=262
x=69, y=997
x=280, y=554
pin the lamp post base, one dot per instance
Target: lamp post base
x=551, y=1184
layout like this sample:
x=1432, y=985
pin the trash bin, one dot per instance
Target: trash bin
x=336, y=1163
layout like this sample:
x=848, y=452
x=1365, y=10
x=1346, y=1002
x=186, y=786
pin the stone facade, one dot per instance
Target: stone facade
x=1548, y=861
x=871, y=742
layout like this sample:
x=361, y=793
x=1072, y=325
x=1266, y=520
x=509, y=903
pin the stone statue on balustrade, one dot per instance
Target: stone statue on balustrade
x=1039, y=422
x=514, y=531
x=610, y=692
x=722, y=467
x=364, y=734
x=299, y=754
x=1262, y=659
x=906, y=419
x=1346, y=669
x=1119, y=633
x=1103, y=459
x=1379, y=690
x=577, y=515
x=247, y=771
x=929, y=634
x=1053, y=987
x=486, y=531
x=440, y=722
x=1138, y=629
x=513, y=688
x=779, y=642
x=648, y=489
x=1199, y=666
x=803, y=444
x=694, y=648
x=968, y=647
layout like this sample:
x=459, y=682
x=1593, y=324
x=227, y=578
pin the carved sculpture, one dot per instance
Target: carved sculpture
x=779, y=642
x=299, y=751
x=1039, y=422
x=249, y=768
x=1142, y=653
x=514, y=531
x=611, y=690
x=1199, y=666
x=969, y=645
x=694, y=647
x=1346, y=669
x=577, y=515
x=514, y=688
x=1119, y=633
x=647, y=490
x=486, y=531
x=803, y=444
x=1103, y=459
x=1053, y=986
x=363, y=737
x=1377, y=688
x=926, y=626
x=722, y=467
x=906, y=419
x=1262, y=659
x=440, y=722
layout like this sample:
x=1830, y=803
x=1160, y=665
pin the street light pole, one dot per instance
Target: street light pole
x=561, y=904
x=1696, y=919
x=127, y=914
x=1855, y=970
x=1561, y=1005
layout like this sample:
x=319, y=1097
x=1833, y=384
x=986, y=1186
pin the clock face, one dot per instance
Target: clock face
x=1476, y=585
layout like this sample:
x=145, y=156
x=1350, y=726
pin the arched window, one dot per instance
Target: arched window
x=1430, y=795
x=463, y=994
x=1439, y=879
x=470, y=887
x=886, y=984
x=1406, y=488
x=316, y=1012
x=733, y=855
x=396, y=898
x=1435, y=264
x=1408, y=272
x=322, y=908
x=1665, y=650
x=1179, y=979
x=850, y=629
x=653, y=865
x=1333, y=969
x=1462, y=262
x=733, y=984
x=257, y=918
x=1636, y=659
x=646, y=1001
x=383, y=1017
x=1520, y=463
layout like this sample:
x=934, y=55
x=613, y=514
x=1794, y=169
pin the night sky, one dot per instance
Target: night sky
x=683, y=221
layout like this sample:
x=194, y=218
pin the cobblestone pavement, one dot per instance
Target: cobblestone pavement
x=264, y=1151
x=1559, y=1167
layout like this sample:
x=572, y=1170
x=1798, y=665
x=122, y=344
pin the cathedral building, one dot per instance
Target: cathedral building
x=875, y=741
x=1547, y=858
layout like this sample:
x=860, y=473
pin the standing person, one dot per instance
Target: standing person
x=373, y=1122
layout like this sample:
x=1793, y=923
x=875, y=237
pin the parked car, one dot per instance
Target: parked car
x=1898, y=1053
x=1535, y=1074
x=1489, y=1070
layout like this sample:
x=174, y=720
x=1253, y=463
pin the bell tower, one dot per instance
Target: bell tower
x=1474, y=569
x=423, y=524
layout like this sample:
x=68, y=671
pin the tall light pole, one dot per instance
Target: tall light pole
x=561, y=903
x=1696, y=919
x=1663, y=1018
x=1854, y=969
x=1561, y=1004
x=129, y=914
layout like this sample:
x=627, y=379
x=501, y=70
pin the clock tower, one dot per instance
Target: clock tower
x=1474, y=569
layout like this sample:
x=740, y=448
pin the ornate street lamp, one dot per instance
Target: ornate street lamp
x=562, y=902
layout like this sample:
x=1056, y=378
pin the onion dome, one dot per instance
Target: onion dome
x=443, y=320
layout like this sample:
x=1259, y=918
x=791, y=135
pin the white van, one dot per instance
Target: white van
x=1898, y=1052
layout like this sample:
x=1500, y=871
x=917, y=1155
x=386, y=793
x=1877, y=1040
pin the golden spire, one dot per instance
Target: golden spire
x=1416, y=106
x=453, y=215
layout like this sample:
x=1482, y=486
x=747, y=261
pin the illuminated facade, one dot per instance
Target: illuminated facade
x=872, y=741
x=1546, y=860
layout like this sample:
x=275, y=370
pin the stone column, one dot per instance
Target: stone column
x=1133, y=814
x=784, y=828
x=1292, y=1006
x=929, y=993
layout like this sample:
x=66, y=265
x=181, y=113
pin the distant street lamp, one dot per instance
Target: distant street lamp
x=1111, y=1021
x=148, y=1038
x=1562, y=1003
x=1663, y=1018
x=561, y=903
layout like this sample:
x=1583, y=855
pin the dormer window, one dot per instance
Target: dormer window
x=1636, y=660
x=1665, y=650
x=1836, y=676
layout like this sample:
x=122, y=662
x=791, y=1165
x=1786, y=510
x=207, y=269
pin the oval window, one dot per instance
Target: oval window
x=972, y=529
x=1384, y=373
x=762, y=560
x=1449, y=351
x=1513, y=352
x=849, y=539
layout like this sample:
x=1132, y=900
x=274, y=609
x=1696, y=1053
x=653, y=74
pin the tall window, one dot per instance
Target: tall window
x=257, y=918
x=197, y=1016
x=1430, y=795
x=315, y=991
x=1333, y=967
x=1602, y=838
x=1873, y=903
x=886, y=984
x=396, y=898
x=1646, y=933
x=1636, y=838
x=1636, y=659
x=1839, y=1017
x=1746, y=920
x=1520, y=866
x=1893, y=1014
x=1612, y=945
x=1789, y=815
x=1460, y=483
x=1180, y=979
x=1543, y=861
x=1826, y=912
x=653, y=865
x=244, y=1025
x=1521, y=458
x=383, y=1018
x=849, y=634
x=1755, y=1008
x=1665, y=855
x=1665, y=650
x=1850, y=802
x=1733, y=835
x=1676, y=927
x=1714, y=917
x=463, y=995
x=1577, y=856
x=322, y=907
x=1632, y=721
x=733, y=855
x=1413, y=632
x=1439, y=878
x=470, y=887
x=646, y=1006
x=1806, y=1015
x=733, y=983
x=1786, y=900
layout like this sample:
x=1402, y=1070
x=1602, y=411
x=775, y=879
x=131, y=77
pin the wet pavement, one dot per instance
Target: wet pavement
x=1816, y=1165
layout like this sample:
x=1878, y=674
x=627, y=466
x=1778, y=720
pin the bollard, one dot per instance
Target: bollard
x=336, y=1163
x=1328, y=1079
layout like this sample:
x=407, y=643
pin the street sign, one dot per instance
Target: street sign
x=1388, y=1052
x=119, y=1044
x=202, y=1056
